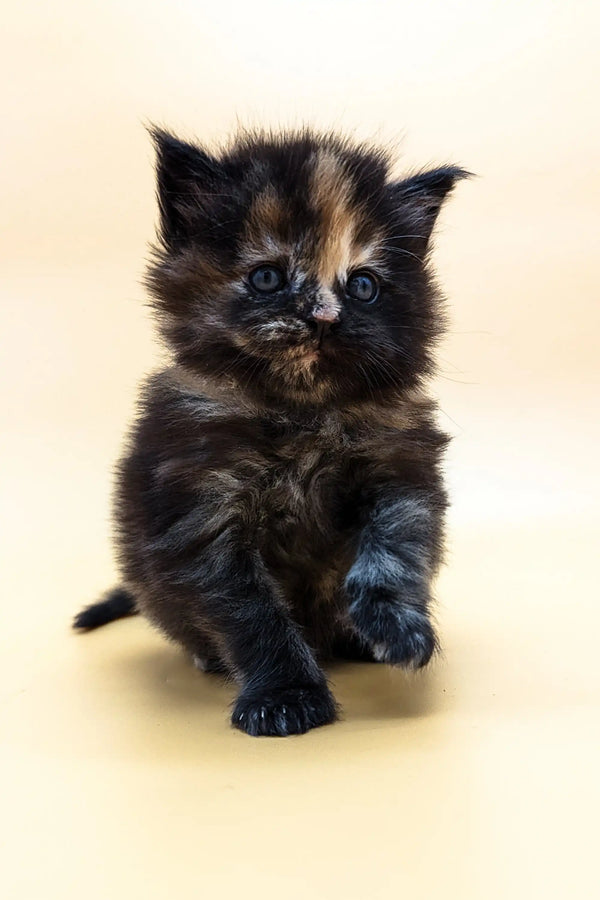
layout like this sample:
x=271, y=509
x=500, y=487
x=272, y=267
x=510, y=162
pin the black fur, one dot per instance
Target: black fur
x=117, y=605
x=281, y=501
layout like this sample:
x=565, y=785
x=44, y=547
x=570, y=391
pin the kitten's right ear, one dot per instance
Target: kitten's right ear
x=184, y=174
x=418, y=200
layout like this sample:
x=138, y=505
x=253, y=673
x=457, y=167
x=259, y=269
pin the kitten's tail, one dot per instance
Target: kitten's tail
x=117, y=604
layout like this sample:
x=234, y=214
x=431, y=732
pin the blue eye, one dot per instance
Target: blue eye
x=362, y=286
x=266, y=279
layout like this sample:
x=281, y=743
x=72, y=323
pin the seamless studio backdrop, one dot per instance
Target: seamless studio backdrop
x=477, y=778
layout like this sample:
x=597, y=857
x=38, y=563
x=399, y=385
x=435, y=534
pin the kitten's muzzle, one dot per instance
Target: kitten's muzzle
x=324, y=317
x=322, y=329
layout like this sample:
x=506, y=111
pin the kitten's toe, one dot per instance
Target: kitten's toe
x=412, y=647
x=399, y=635
x=283, y=711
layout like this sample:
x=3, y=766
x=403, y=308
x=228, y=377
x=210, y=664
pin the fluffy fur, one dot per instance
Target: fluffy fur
x=281, y=501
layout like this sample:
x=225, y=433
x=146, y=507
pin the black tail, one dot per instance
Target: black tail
x=117, y=604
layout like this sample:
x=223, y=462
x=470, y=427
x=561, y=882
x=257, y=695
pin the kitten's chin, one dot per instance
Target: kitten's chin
x=299, y=364
x=308, y=356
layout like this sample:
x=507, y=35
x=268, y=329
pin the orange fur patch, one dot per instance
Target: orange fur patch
x=330, y=189
x=266, y=219
x=267, y=211
x=340, y=249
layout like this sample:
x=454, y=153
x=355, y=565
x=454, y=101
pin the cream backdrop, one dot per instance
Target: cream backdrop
x=477, y=779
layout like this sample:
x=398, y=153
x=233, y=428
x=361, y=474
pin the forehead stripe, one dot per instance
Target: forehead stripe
x=330, y=193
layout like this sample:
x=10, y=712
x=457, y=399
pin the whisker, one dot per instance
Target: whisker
x=401, y=252
x=454, y=422
x=399, y=237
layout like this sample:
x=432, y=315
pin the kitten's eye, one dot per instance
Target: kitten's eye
x=362, y=286
x=266, y=279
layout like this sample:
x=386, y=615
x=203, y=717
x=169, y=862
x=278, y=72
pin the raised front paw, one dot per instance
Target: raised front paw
x=398, y=634
x=283, y=711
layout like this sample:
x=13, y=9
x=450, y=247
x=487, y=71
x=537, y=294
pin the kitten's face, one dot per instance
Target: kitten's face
x=293, y=266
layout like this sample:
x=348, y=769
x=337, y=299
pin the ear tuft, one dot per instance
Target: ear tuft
x=434, y=182
x=183, y=173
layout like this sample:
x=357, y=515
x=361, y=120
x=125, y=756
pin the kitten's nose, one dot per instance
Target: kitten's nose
x=327, y=314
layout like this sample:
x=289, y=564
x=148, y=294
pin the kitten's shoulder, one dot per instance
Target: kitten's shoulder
x=174, y=392
x=398, y=434
x=402, y=413
x=179, y=415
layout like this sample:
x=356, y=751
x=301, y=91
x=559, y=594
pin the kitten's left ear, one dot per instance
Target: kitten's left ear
x=418, y=200
x=185, y=178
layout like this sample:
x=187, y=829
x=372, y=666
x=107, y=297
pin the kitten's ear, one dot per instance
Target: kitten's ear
x=418, y=200
x=184, y=174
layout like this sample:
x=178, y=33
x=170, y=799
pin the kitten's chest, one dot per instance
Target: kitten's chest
x=307, y=488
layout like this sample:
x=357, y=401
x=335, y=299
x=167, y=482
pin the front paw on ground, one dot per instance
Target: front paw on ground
x=398, y=635
x=283, y=711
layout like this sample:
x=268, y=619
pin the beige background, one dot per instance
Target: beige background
x=477, y=779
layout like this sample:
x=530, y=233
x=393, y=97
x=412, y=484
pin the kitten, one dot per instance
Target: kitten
x=281, y=500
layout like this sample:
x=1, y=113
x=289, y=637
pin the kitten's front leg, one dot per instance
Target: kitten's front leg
x=283, y=689
x=388, y=585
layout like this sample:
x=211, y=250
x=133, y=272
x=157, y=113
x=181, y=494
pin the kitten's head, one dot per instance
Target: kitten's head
x=293, y=265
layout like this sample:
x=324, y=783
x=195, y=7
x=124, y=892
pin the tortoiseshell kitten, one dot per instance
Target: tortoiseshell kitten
x=281, y=501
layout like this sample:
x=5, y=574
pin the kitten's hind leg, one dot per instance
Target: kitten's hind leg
x=117, y=604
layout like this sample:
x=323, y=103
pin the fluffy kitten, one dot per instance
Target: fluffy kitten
x=281, y=500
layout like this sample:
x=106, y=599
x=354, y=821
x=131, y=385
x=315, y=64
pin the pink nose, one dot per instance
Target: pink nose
x=325, y=314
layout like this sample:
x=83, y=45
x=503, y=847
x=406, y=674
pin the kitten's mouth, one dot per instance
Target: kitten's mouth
x=322, y=331
x=319, y=349
x=308, y=356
